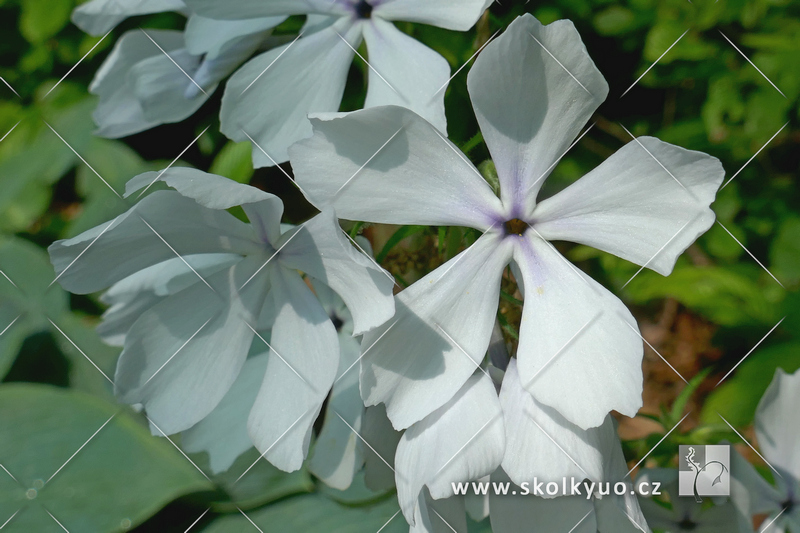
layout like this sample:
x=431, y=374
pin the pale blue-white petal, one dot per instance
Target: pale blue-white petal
x=248, y=9
x=320, y=249
x=646, y=203
x=223, y=433
x=210, y=36
x=778, y=422
x=97, y=17
x=389, y=165
x=530, y=104
x=451, y=14
x=579, y=350
x=418, y=361
x=285, y=84
x=303, y=360
x=439, y=516
x=461, y=441
x=182, y=355
x=106, y=254
x=405, y=72
x=383, y=439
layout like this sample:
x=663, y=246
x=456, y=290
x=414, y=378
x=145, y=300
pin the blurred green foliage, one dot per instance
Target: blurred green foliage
x=55, y=181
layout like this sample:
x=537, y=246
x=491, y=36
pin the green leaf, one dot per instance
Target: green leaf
x=785, y=252
x=679, y=405
x=42, y=19
x=489, y=172
x=315, y=512
x=394, y=240
x=234, y=161
x=119, y=476
x=614, y=20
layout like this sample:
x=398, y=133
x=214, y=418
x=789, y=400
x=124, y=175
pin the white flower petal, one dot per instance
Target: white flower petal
x=210, y=36
x=461, y=441
x=383, y=439
x=778, y=422
x=529, y=106
x=97, y=17
x=248, y=9
x=301, y=369
x=579, y=349
x=389, y=165
x=338, y=451
x=223, y=433
x=439, y=516
x=405, y=72
x=632, y=207
x=451, y=14
x=541, y=444
x=750, y=492
x=108, y=253
x=286, y=84
x=512, y=513
x=183, y=354
x=321, y=250
x=419, y=360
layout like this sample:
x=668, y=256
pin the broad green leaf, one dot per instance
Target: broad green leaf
x=234, y=161
x=119, y=476
x=614, y=20
x=42, y=19
x=394, y=240
x=785, y=252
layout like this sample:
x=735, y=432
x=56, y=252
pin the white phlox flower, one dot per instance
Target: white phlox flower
x=154, y=77
x=684, y=514
x=308, y=75
x=777, y=423
x=192, y=290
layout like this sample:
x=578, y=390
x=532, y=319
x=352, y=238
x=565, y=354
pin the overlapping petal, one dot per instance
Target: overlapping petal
x=778, y=422
x=389, y=165
x=419, y=360
x=97, y=17
x=451, y=14
x=247, y=9
x=646, y=203
x=579, y=351
x=532, y=89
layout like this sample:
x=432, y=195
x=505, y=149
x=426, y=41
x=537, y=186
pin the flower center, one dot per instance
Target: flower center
x=337, y=322
x=363, y=9
x=515, y=226
x=788, y=506
x=687, y=524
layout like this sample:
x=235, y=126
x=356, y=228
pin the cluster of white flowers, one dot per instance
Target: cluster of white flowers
x=223, y=338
